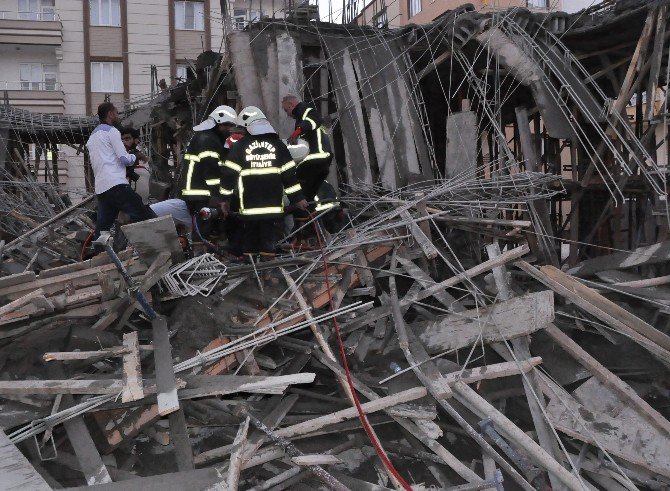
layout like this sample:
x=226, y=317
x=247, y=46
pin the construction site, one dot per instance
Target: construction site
x=491, y=313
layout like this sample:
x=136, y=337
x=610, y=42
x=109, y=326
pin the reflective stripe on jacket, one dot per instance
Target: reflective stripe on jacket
x=260, y=169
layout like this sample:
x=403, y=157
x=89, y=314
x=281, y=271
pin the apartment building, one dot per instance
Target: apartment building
x=398, y=13
x=68, y=56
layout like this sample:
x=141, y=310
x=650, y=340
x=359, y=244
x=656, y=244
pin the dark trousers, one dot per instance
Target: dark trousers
x=253, y=237
x=311, y=174
x=120, y=198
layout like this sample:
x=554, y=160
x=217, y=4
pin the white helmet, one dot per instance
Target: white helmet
x=248, y=115
x=298, y=151
x=224, y=114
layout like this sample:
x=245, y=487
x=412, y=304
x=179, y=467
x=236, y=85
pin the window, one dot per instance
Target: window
x=183, y=71
x=537, y=4
x=190, y=16
x=37, y=9
x=380, y=20
x=239, y=19
x=105, y=12
x=107, y=77
x=38, y=76
x=414, y=7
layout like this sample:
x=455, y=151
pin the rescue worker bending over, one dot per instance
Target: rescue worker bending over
x=200, y=174
x=314, y=168
x=259, y=169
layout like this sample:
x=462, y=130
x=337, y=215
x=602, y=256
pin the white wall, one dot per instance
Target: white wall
x=575, y=5
x=12, y=55
x=148, y=44
x=216, y=24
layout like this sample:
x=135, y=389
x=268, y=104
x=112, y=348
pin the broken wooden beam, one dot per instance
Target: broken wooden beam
x=133, y=389
x=516, y=317
x=166, y=384
x=16, y=472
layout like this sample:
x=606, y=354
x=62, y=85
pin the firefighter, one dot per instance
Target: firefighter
x=314, y=168
x=200, y=174
x=259, y=170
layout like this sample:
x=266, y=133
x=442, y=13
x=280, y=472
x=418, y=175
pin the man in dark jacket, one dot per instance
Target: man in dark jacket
x=314, y=168
x=200, y=174
x=259, y=170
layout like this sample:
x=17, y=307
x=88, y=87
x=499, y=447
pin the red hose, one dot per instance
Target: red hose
x=83, y=248
x=361, y=415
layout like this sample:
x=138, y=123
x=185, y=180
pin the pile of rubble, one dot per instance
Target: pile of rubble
x=424, y=345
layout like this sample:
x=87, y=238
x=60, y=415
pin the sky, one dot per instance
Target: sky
x=568, y=6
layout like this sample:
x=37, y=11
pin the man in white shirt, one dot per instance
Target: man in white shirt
x=109, y=160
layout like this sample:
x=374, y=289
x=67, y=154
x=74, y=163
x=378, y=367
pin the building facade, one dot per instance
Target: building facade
x=398, y=13
x=68, y=56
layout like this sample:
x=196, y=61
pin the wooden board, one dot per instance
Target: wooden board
x=151, y=237
x=504, y=320
x=166, y=383
x=599, y=415
x=654, y=254
x=16, y=473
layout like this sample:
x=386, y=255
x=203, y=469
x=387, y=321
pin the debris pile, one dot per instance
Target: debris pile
x=492, y=315
x=474, y=366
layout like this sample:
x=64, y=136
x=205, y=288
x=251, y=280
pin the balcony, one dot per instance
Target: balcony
x=36, y=28
x=43, y=97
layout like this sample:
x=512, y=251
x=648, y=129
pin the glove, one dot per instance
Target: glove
x=301, y=205
x=224, y=206
x=131, y=174
x=232, y=139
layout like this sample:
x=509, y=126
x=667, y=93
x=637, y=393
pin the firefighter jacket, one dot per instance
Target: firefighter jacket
x=326, y=198
x=260, y=170
x=200, y=176
x=310, y=123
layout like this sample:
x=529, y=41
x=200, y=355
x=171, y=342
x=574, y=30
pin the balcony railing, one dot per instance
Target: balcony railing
x=43, y=16
x=36, y=86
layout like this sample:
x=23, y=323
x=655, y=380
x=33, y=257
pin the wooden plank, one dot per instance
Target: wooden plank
x=621, y=388
x=521, y=349
x=132, y=370
x=15, y=387
x=20, y=302
x=73, y=280
x=504, y=258
x=596, y=414
x=90, y=462
x=17, y=279
x=507, y=428
x=426, y=281
x=16, y=473
x=316, y=459
x=197, y=479
x=237, y=456
x=588, y=299
x=489, y=372
x=272, y=419
x=428, y=374
x=653, y=254
x=349, y=413
x=85, y=355
x=166, y=383
x=151, y=237
x=215, y=385
x=516, y=317
x=429, y=250
x=180, y=442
